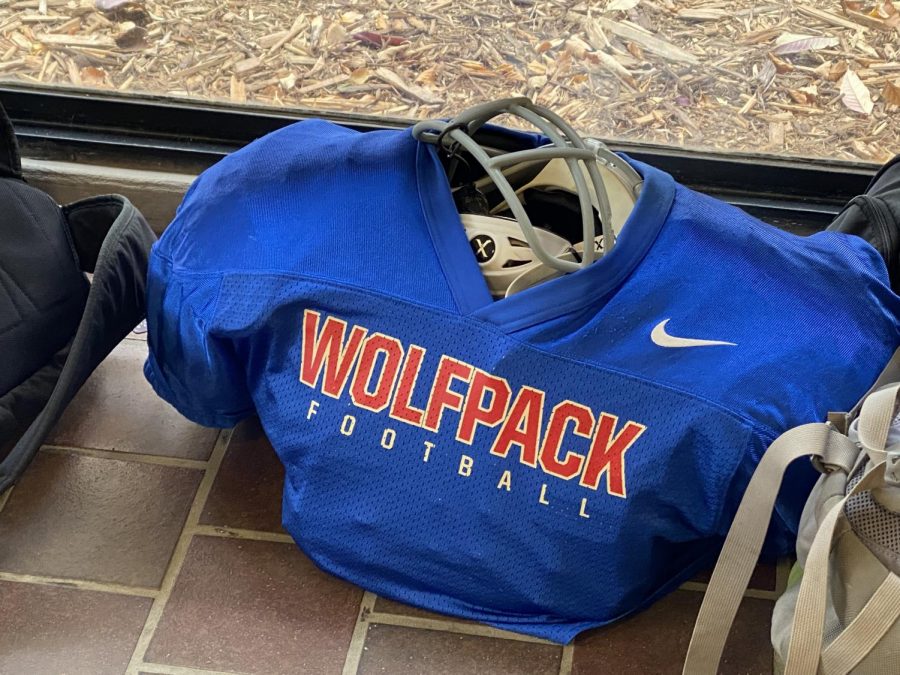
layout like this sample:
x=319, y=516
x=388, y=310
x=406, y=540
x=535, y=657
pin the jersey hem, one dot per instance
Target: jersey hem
x=562, y=632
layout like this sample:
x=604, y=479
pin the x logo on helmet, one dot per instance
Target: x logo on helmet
x=484, y=247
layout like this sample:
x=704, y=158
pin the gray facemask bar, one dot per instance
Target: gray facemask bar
x=630, y=178
x=568, y=145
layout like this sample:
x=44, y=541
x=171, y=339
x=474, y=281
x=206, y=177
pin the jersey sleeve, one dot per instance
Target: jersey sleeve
x=189, y=365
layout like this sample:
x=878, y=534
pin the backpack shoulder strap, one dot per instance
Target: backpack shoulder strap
x=113, y=242
x=747, y=533
x=870, y=625
x=807, y=629
x=745, y=538
x=889, y=374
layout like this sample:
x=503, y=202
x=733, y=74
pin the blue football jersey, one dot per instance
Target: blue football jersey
x=544, y=463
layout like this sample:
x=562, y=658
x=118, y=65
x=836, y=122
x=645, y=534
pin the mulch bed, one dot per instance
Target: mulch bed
x=815, y=79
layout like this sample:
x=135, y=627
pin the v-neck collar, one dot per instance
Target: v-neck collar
x=552, y=298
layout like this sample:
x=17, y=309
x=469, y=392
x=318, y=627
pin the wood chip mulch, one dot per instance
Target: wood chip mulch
x=809, y=78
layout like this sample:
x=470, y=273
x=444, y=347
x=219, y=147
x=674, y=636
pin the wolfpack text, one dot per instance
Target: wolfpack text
x=380, y=374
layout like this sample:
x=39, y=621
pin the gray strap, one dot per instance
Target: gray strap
x=744, y=542
x=808, y=627
x=809, y=615
x=838, y=457
x=872, y=623
x=888, y=375
x=875, y=421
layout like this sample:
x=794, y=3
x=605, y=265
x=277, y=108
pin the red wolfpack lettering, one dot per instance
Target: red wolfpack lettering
x=327, y=349
x=475, y=413
x=401, y=408
x=522, y=426
x=562, y=414
x=442, y=396
x=385, y=376
x=376, y=400
x=608, y=454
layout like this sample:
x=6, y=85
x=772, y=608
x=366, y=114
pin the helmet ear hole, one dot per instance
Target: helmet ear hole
x=514, y=263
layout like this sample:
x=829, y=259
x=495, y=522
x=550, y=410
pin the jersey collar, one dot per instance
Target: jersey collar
x=593, y=285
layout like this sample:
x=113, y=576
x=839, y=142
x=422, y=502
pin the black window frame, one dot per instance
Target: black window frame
x=162, y=134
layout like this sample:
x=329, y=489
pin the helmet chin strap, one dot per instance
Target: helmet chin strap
x=565, y=143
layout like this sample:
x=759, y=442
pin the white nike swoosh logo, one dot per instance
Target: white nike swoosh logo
x=663, y=339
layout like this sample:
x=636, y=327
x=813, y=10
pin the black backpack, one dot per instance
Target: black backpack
x=875, y=216
x=56, y=326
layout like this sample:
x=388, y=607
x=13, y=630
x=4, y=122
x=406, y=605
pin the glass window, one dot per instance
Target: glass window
x=819, y=78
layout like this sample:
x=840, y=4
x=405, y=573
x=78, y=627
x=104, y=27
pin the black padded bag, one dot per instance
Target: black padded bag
x=56, y=326
x=875, y=216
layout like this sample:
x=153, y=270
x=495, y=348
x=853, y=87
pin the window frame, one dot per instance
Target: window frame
x=154, y=132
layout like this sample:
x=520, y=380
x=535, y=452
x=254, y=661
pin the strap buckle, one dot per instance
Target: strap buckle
x=840, y=421
x=838, y=453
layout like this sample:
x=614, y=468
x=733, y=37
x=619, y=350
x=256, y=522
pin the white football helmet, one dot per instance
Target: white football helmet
x=538, y=272
x=501, y=252
x=606, y=188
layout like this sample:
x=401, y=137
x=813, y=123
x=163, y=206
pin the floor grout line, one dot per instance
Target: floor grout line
x=4, y=497
x=757, y=593
x=163, y=669
x=782, y=574
x=237, y=533
x=358, y=639
x=179, y=554
x=760, y=594
x=696, y=586
x=565, y=662
x=450, y=626
x=127, y=456
x=81, y=584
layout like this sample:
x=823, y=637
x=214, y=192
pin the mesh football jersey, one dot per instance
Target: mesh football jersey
x=544, y=463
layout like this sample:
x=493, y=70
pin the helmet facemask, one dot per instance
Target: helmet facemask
x=563, y=176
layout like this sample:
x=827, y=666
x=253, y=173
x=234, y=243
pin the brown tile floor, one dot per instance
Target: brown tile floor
x=138, y=542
